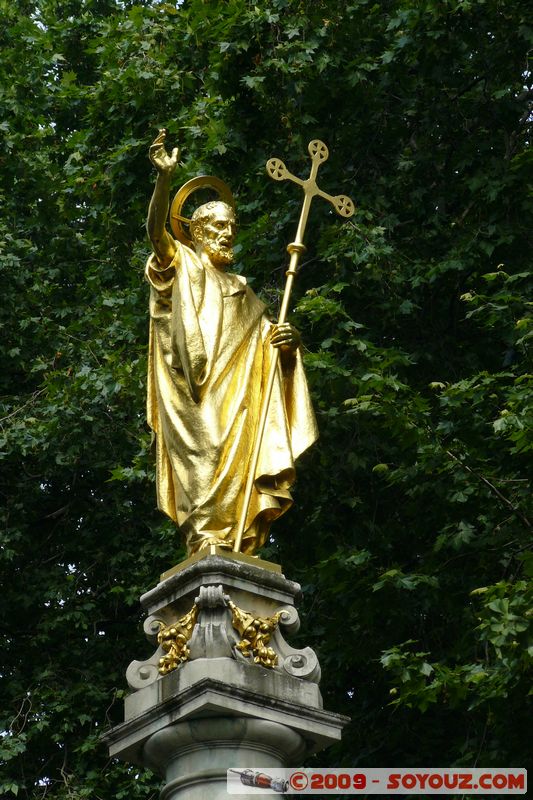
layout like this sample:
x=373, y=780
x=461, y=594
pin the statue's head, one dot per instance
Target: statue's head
x=212, y=232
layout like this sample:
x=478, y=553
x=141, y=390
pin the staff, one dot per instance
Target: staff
x=343, y=206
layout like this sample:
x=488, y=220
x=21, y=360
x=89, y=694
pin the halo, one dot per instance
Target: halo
x=177, y=221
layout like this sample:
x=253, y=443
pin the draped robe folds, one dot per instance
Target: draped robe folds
x=208, y=365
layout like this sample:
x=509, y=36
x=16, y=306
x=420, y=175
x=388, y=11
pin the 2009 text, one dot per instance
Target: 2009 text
x=377, y=781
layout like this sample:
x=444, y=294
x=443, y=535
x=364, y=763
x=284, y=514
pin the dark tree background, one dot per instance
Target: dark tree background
x=411, y=528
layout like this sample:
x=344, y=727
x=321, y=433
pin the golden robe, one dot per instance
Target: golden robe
x=208, y=362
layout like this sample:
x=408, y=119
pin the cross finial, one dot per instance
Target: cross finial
x=319, y=153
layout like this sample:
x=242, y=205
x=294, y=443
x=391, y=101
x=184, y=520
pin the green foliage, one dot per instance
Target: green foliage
x=414, y=510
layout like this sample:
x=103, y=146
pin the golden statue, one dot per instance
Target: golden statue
x=213, y=355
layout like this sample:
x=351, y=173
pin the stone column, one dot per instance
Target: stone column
x=194, y=756
x=223, y=688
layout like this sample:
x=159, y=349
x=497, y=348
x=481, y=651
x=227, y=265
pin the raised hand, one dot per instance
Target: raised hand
x=164, y=163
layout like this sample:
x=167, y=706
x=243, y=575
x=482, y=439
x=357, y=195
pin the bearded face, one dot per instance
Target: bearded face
x=215, y=234
x=220, y=253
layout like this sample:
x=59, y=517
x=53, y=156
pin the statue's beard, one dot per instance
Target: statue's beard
x=220, y=255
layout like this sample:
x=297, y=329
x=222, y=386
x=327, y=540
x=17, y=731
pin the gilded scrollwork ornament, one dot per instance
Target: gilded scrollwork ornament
x=174, y=638
x=255, y=633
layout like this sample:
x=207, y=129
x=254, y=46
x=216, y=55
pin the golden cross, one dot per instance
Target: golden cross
x=319, y=153
x=343, y=206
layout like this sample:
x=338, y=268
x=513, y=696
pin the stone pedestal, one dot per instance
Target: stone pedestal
x=223, y=688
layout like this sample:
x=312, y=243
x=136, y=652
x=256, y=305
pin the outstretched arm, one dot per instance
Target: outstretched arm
x=163, y=244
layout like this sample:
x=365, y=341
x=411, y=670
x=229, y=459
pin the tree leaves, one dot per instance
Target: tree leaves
x=412, y=524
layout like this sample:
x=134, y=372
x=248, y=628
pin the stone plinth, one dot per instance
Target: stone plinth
x=223, y=688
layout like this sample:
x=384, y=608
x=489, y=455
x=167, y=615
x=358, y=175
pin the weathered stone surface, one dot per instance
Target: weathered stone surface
x=223, y=707
x=194, y=756
x=208, y=697
x=211, y=583
x=243, y=574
